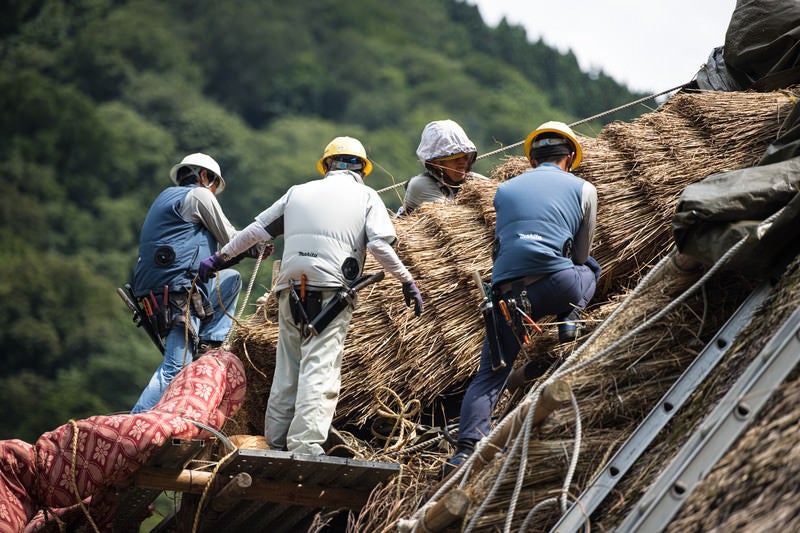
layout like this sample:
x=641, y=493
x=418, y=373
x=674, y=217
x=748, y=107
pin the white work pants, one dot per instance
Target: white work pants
x=305, y=387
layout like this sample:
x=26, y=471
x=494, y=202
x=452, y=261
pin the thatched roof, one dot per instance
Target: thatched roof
x=639, y=170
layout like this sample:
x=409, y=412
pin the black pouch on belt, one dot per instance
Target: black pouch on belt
x=304, y=311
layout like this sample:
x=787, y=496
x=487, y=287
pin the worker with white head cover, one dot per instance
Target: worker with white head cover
x=328, y=225
x=448, y=155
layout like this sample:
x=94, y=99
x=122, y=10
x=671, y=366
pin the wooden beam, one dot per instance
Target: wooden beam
x=554, y=396
x=194, y=482
x=452, y=507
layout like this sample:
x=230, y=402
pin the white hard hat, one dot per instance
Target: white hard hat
x=199, y=160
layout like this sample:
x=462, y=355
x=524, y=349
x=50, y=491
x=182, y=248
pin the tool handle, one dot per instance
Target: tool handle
x=531, y=323
x=479, y=282
x=154, y=301
x=504, y=310
x=367, y=280
x=132, y=306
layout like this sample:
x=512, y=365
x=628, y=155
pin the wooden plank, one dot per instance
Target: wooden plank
x=134, y=502
x=194, y=482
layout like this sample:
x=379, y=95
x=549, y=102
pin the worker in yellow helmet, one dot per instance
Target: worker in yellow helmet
x=328, y=226
x=541, y=265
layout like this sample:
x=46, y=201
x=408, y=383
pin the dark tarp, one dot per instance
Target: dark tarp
x=714, y=214
x=761, y=51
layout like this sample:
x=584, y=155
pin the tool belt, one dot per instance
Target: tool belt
x=517, y=285
x=511, y=301
x=178, y=301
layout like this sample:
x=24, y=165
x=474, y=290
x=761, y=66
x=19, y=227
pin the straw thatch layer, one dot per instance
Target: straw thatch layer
x=639, y=170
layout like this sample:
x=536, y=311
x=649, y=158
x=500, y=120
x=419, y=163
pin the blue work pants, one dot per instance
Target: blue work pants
x=555, y=294
x=180, y=344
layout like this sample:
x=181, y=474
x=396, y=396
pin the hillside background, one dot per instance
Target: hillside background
x=99, y=98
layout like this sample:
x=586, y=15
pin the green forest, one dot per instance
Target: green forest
x=101, y=97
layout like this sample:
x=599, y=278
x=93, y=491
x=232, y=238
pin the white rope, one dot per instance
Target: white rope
x=238, y=316
x=532, y=512
x=578, y=123
x=576, y=450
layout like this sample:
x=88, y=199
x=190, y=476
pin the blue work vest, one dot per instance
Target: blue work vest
x=170, y=247
x=538, y=214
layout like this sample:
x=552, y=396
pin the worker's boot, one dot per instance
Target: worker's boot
x=465, y=449
x=568, y=326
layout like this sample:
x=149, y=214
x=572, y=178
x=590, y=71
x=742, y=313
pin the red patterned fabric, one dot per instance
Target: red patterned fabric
x=111, y=448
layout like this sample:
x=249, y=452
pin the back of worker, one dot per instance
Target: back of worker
x=327, y=224
x=540, y=218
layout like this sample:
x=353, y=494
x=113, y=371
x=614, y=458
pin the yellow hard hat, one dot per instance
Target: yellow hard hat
x=563, y=130
x=344, y=146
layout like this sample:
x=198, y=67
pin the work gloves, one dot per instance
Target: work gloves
x=209, y=266
x=411, y=294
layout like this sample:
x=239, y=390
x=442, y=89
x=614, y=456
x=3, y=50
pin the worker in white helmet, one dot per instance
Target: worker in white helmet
x=328, y=225
x=184, y=224
x=448, y=155
x=541, y=265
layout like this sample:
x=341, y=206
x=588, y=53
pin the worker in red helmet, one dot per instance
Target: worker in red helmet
x=541, y=264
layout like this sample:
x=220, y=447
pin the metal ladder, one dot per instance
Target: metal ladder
x=719, y=430
x=605, y=481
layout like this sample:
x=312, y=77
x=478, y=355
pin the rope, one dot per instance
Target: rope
x=572, y=125
x=576, y=450
x=238, y=316
x=532, y=512
x=206, y=489
x=74, y=477
x=401, y=417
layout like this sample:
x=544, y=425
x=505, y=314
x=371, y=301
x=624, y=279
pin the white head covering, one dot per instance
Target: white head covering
x=443, y=138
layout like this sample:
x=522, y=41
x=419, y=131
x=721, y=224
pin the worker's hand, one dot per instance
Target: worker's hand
x=412, y=294
x=255, y=250
x=209, y=266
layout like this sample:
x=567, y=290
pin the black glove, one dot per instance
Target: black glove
x=412, y=294
x=252, y=252
x=255, y=250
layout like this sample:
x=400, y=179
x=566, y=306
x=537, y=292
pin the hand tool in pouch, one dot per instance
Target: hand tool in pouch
x=340, y=301
x=140, y=318
x=492, y=324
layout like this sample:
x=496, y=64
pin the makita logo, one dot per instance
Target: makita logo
x=307, y=254
x=532, y=236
